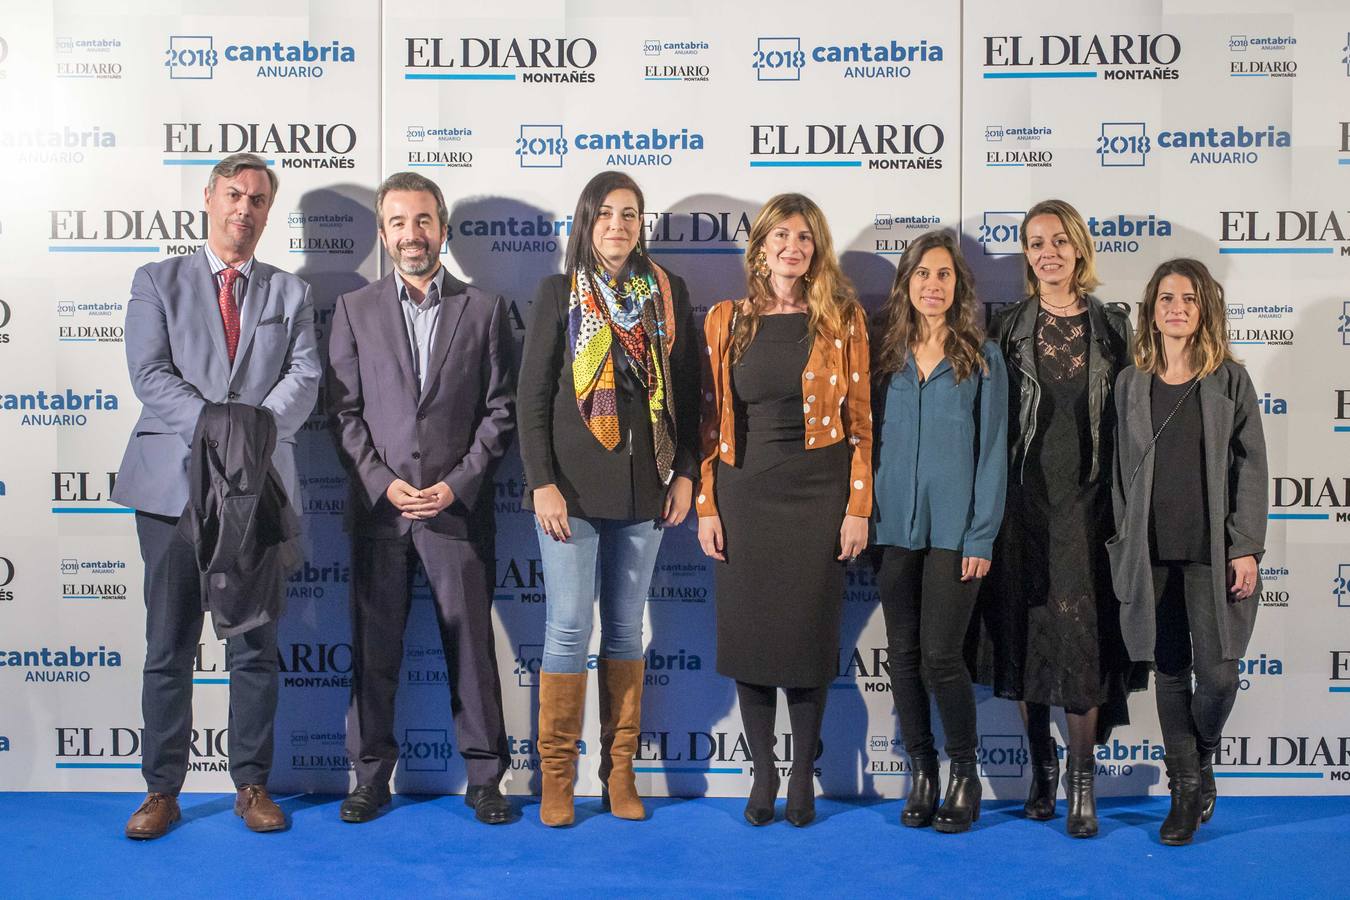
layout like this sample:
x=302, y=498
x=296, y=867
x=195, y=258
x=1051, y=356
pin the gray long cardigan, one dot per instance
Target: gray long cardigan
x=1236, y=489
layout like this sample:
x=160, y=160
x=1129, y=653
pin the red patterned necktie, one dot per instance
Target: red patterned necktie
x=229, y=310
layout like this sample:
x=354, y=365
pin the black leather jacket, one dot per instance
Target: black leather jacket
x=1109, y=348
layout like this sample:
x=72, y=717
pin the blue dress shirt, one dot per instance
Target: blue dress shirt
x=942, y=458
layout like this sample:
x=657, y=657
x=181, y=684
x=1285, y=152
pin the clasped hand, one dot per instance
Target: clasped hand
x=413, y=503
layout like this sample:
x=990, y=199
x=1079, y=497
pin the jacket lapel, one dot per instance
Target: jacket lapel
x=255, y=301
x=454, y=297
x=204, y=280
x=388, y=314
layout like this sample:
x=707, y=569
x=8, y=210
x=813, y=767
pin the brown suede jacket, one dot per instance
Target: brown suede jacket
x=836, y=404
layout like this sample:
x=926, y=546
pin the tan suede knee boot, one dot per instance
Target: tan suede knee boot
x=620, y=721
x=562, y=702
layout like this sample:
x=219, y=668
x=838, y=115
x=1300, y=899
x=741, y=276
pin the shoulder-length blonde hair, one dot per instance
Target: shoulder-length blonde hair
x=1085, y=269
x=1208, y=347
x=901, y=325
x=830, y=299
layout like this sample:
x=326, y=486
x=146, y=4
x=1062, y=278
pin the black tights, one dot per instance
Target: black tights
x=1082, y=732
x=759, y=708
x=1187, y=644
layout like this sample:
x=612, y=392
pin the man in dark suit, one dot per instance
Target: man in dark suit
x=215, y=327
x=421, y=399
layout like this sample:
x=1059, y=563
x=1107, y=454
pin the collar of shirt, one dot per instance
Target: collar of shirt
x=217, y=265
x=432, y=296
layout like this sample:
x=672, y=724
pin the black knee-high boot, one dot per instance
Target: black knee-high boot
x=759, y=705
x=806, y=709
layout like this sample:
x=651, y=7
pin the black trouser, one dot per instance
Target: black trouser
x=928, y=608
x=1192, y=718
x=173, y=628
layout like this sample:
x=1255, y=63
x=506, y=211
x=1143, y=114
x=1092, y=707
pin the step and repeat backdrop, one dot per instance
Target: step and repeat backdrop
x=1220, y=131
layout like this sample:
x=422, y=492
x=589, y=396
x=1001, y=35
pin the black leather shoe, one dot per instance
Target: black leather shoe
x=759, y=805
x=801, y=796
x=961, y=807
x=488, y=804
x=922, y=801
x=803, y=815
x=363, y=804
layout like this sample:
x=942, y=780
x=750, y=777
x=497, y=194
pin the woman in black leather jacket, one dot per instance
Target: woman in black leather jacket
x=1056, y=627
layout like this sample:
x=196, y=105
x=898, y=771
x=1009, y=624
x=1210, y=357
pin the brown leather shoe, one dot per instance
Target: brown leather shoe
x=257, y=809
x=153, y=819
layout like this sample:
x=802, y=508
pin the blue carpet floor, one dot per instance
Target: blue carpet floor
x=71, y=845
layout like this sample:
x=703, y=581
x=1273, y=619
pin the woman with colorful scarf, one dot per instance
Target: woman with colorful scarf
x=608, y=416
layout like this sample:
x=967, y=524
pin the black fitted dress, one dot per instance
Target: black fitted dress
x=780, y=592
x=1059, y=522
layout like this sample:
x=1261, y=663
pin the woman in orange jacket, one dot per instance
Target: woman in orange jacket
x=786, y=484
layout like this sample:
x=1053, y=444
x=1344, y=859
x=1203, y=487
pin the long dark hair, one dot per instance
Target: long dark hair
x=580, y=250
x=901, y=325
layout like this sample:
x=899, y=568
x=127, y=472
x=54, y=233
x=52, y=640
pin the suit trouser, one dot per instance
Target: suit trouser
x=173, y=628
x=381, y=595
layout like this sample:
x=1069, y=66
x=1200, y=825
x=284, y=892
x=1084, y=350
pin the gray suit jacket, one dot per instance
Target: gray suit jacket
x=455, y=429
x=1236, y=489
x=176, y=353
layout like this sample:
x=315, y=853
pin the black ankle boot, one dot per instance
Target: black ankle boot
x=1040, y=803
x=1209, y=791
x=922, y=801
x=1082, y=820
x=961, y=806
x=1183, y=777
x=801, y=796
x=759, y=806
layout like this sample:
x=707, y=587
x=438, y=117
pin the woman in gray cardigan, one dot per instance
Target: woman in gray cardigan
x=1190, y=509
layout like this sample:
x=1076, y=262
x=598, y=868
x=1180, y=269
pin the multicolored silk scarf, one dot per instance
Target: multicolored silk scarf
x=638, y=313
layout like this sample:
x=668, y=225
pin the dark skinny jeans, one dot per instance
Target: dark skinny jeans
x=928, y=609
x=1187, y=644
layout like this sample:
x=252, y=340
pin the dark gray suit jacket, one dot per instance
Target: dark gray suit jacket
x=1236, y=488
x=455, y=429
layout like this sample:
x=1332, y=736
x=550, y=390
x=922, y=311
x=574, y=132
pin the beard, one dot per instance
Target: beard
x=418, y=267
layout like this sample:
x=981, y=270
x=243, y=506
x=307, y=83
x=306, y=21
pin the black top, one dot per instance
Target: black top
x=1179, y=501
x=558, y=448
x=1062, y=445
x=768, y=391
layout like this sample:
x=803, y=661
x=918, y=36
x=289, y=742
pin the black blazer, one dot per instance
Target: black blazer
x=237, y=517
x=555, y=444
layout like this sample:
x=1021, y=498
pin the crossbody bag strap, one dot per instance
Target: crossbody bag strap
x=1154, y=441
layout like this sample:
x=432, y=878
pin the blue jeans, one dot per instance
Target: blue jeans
x=622, y=554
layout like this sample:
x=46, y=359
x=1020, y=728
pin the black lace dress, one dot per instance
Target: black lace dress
x=1054, y=543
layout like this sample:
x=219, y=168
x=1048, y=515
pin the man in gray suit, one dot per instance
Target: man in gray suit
x=216, y=327
x=421, y=398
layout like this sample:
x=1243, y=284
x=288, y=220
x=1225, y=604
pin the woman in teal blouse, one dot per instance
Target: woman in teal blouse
x=941, y=467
